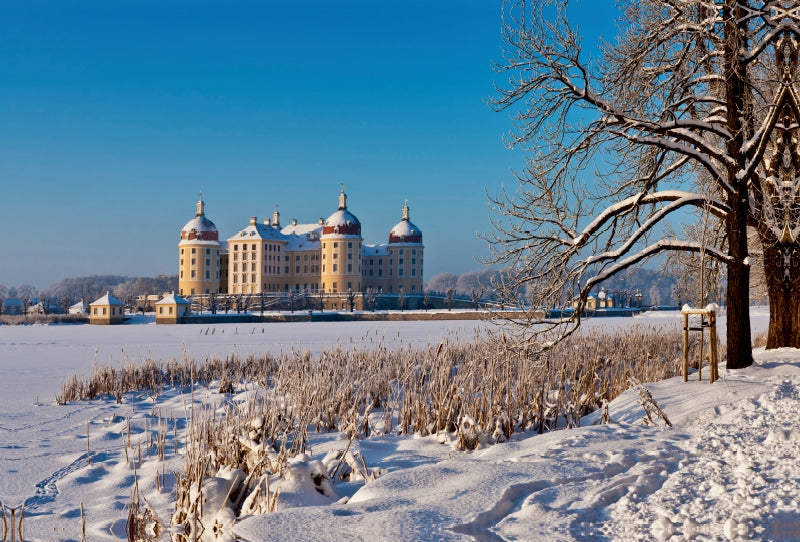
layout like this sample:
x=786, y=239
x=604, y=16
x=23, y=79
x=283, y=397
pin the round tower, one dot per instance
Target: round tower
x=341, y=250
x=405, y=255
x=198, y=255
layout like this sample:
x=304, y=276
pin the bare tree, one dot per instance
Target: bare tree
x=448, y=298
x=401, y=299
x=475, y=294
x=351, y=299
x=695, y=105
x=426, y=300
x=371, y=298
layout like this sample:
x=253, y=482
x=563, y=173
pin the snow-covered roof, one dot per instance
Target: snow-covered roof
x=405, y=231
x=258, y=231
x=302, y=242
x=108, y=299
x=302, y=229
x=173, y=299
x=376, y=250
x=199, y=223
x=343, y=223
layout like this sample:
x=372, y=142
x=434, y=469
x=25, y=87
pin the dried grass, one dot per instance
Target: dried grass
x=468, y=392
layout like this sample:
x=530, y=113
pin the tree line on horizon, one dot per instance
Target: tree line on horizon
x=668, y=286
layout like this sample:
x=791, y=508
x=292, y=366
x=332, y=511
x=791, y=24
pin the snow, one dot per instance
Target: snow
x=726, y=470
x=108, y=299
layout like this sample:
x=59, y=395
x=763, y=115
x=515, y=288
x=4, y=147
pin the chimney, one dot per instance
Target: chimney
x=294, y=222
x=252, y=221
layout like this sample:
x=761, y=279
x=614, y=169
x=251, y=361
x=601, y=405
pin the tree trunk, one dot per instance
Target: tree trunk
x=783, y=285
x=740, y=345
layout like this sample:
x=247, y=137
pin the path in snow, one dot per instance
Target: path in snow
x=740, y=478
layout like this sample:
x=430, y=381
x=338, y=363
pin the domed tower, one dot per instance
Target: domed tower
x=198, y=255
x=405, y=255
x=341, y=250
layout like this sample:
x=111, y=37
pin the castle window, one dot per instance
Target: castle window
x=181, y=251
x=208, y=262
x=413, y=272
x=336, y=245
x=208, y=252
x=194, y=261
x=297, y=269
x=208, y=274
x=194, y=250
x=349, y=255
x=252, y=247
x=349, y=268
x=335, y=268
x=193, y=275
x=350, y=245
x=335, y=255
x=400, y=272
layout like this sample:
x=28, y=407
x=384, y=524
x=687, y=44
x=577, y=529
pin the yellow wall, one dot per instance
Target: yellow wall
x=198, y=267
x=341, y=264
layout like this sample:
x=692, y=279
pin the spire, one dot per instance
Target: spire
x=276, y=217
x=405, y=210
x=342, y=199
x=201, y=207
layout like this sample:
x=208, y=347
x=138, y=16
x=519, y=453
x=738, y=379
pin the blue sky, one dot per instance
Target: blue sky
x=114, y=115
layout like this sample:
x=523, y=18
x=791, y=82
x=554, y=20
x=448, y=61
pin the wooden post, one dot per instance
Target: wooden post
x=685, y=346
x=712, y=339
x=708, y=319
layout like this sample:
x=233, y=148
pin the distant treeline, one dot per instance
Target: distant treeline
x=72, y=290
x=656, y=288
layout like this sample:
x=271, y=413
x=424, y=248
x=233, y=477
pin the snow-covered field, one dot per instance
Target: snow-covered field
x=726, y=470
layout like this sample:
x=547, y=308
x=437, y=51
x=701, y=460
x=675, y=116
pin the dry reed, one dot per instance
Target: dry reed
x=471, y=393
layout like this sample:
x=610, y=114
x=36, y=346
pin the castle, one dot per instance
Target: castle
x=328, y=257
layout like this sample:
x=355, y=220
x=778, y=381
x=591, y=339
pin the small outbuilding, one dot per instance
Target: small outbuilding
x=172, y=308
x=107, y=310
x=78, y=308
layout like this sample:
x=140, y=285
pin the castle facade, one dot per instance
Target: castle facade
x=328, y=256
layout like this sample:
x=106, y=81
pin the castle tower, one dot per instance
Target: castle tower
x=341, y=250
x=405, y=255
x=198, y=255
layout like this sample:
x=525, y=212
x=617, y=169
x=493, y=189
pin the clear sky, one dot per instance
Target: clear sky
x=114, y=115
